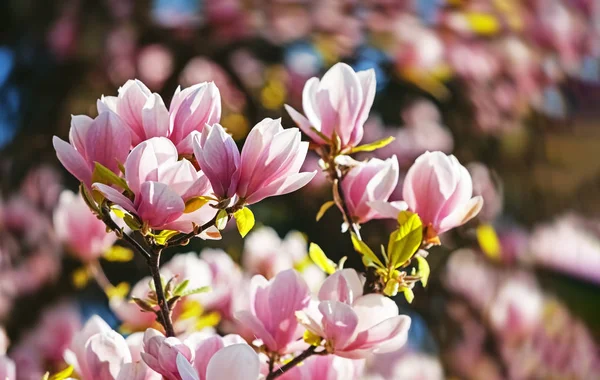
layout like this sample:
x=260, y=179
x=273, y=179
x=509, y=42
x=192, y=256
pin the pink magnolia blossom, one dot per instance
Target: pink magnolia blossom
x=329, y=367
x=440, y=190
x=234, y=362
x=104, y=140
x=355, y=325
x=79, y=229
x=272, y=309
x=7, y=368
x=146, y=115
x=338, y=104
x=226, y=279
x=161, y=185
x=98, y=352
x=219, y=159
x=265, y=253
x=160, y=353
x=270, y=162
x=370, y=181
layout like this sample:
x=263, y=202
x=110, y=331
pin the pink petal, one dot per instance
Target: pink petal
x=186, y=371
x=367, y=83
x=282, y=186
x=392, y=331
x=158, y=204
x=144, y=160
x=155, y=117
x=462, y=215
x=80, y=125
x=247, y=364
x=132, y=97
x=343, y=286
x=105, y=354
x=115, y=196
x=108, y=141
x=178, y=175
x=72, y=161
x=304, y=124
x=339, y=322
x=204, y=352
x=387, y=210
x=256, y=326
x=309, y=105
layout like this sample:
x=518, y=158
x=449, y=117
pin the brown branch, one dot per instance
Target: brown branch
x=292, y=363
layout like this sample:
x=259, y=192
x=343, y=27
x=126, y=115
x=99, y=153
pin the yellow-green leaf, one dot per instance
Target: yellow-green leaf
x=222, y=219
x=408, y=294
x=320, y=259
x=324, y=207
x=244, y=219
x=423, y=270
x=132, y=222
x=163, y=237
x=483, y=23
x=80, y=277
x=104, y=175
x=311, y=338
x=118, y=212
x=391, y=288
x=369, y=257
x=88, y=198
x=374, y=145
x=64, y=374
x=195, y=203
x=119, y=291
x=406, y=240
x=118, y=253
x=488, y=241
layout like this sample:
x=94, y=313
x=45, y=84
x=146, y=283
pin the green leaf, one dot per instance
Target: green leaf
x=89, y=198
x=408, y=294
x=132, y=222
x=324, y=207
x=244, y=219
x=369, y=257
x=163, y=237
x=423, y=270
x=104, y=175
x=489, y=242
x=142, y=304
x=202, y=289
x=180, y=288
x=64, y=374
x=320, y=259
x=222, y=219
x=406, y=240
x=391, y=288
x=118, y=253
x=374, y=145
x=195, y=203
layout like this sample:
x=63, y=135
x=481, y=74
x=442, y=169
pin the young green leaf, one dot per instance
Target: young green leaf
x=320, y=259
x=163, y=237
x=132, y=222
x=324, y=207
x=180, y=288
x=369, y=257
x=406, y=240
x=423, y=270
x=195, y=203
x=118, y=253
x=408, y=294
x=202, y=289
x=222, y=219
x=244, y=219
x=104, y=175
x=374, y=145
x=391, y=288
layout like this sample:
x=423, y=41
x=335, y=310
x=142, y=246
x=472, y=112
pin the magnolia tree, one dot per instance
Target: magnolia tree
x=157, y=177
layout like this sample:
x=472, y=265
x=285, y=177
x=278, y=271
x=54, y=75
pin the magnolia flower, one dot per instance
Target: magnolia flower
x=161, y=186
x=337, y=105
x=167, y=355
x=272, y=309
x=146, y=115
x=235, y=362
x=328, y=367
x=103, y=140
x=226, y=278
x=99, y=353
x=270, y=161
x=440, y=190
x=371, y=181
x=219, y=159
x=354, y=325
x=7, y=368
x=79, y=229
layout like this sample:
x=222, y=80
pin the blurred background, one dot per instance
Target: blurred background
x=511, y=87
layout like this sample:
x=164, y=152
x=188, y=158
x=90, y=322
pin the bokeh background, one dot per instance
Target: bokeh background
x=511, y=87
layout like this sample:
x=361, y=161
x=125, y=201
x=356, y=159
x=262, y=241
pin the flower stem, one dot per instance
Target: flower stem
x=164, y=311
x=291, y=364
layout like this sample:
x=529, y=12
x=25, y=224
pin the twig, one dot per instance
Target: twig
x=165, y=311
x=179, y=240
x=291, y=364
x=110, y=223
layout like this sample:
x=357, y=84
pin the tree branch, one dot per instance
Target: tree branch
x=294, y=362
